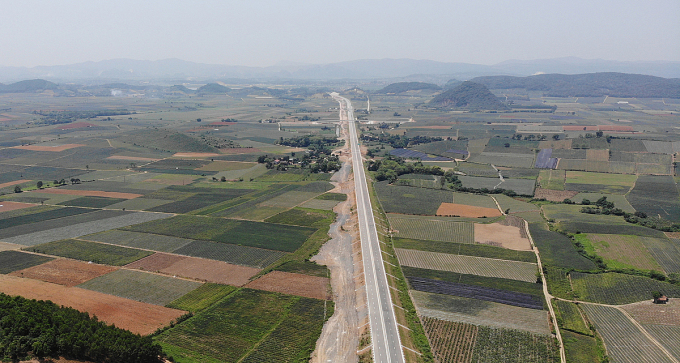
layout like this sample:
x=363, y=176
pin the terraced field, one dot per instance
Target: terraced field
x=522, y=271
x=434, y=230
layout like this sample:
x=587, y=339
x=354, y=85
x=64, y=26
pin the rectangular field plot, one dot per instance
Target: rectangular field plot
x=450, y=341
x=255, y=234
x=41, y=214
x=238, y=255
x=569, y=317
x=621, y=251
x=503, y=159
x=499, y=235
x=139, y=204
x=668, y=336
x=98, y=223
x=434, y=230
x=619, y=201
x=91, y=252
x=623, y=340
x=15, y=260
x=141, y=286
x=64, y=272
x=92, y=202
x=665, y=251
x=521, y=271
x=615, y=289
x=202, y=298
x=474, y=200
x=145, y=241
x=137, y=317
x=557, y=249
x=466, y=211
x=320, y=204
x=478, y=312
x=201, y=199
x=646, y=312
x=411, y=200
x=514, y=205
x=467, y=249
x=656, y=196
x=506, y=345
x=581, y=177
x=293, y=284
x=302, y=217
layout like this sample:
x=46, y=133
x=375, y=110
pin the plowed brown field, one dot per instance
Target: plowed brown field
x=502, y=236
x=135, y=316
x=8, y=206
x=211, y=271
x=59, y=148
x=468, y=211
x=89, y=193
x=64, y=272
x=293, y=284
x=156, y=262
x=646, y=312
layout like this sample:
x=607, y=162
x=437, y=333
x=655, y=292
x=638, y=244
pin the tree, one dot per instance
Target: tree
x=39, y=184
x=223, y=179
x=17, y=189
x=198, y=120
x=556, y=137
x=599, y=134
x=507, y=144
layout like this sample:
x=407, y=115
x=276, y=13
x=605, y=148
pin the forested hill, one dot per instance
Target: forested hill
x=589, y=85
x=400, y=87
x=28, y=86
x=468, y=95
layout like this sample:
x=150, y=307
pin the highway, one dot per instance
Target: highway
x=386, y=343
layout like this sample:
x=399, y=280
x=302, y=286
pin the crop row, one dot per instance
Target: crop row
x=15, y=260
x=614, y=288
x=91, y=252
x=42, y=216
x=569, y=317
x=656, y=195
x=557, y=249
x=477, y=249
x=450, y=341
x=411, y=200
x=508, y=346
x=476, y=292
x=433, y=230
x=667, y=335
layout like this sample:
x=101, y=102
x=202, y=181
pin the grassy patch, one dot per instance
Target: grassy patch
x=467, y=249
x=615, y=288
x=304, y=267
x=15, y=260
x=581, y=348
x=91, y=251
x=569, y=317
x=302, y=217
x=557, y=250
x=341, y=197
x=202, y=298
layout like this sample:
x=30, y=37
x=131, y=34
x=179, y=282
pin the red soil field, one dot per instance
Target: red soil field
x=64, y=272
x=88, y=193
x=554, y=195
x=156, y=262
x=131, y=158
x=220, y=123
x=293, y=284
x=8, y=206
x=75, y=125
x=211, y=271
x=135, y=316
x=59, y=148
x=195, y=155
x=468, y=211
x=9, y=184
x=240, y=150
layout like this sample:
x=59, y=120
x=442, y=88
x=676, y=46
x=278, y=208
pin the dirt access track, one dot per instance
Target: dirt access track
x=135, y=316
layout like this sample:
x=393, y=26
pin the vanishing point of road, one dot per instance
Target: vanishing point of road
x=386, y=343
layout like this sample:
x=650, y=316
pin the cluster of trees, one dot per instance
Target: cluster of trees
x=391, y=167
x=399, y=141
x=468, y=95
x=400, y=87
x=30, y=328
x=65, y=117
x=313, y=143
x=603, y=206
x=316, y=163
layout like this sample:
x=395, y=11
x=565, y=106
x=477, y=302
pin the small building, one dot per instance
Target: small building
x=661, y=299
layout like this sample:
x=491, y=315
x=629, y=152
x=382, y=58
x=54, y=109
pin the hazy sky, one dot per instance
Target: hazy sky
x=264, y=32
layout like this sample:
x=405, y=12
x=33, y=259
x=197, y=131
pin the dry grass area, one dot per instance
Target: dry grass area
x=58, y=148
x=6, y=206
x=135, y=316
x=4, y=246
x=131, y=158
x=496, y=234
x=89, y=193
x=64, y=272
x=646, y=312
x=294, y=284
x=468, y=211
x=554, y=195
x=673, y=234
x=9, y=184
x=195, y=155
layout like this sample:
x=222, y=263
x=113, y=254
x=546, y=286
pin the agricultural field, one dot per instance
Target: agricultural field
x=90, y=252
x=64, y=272
x=569, y=317
x=479, y=312
x=620, y=251
x=15, y=260
x=432, y=229
x=616, y=289
x=619, y=201
x=238, y=255
x=512, y=205
x=656, y=196
x=411, y=200
x=667, y=336
x=623, y=340
x=648, y=313
x=503, y=159
x=293, y=284
x=557, y=250
x=521, y=271
x=141, y=286
x=202, y=298
x=301, y=217
x=499, y=235
x=467, y=249
x=146, y=241
x=450, y=341
x=506, y=345
x=475, y=200
x=552, y=179
x=466, y=211
x=519, y=186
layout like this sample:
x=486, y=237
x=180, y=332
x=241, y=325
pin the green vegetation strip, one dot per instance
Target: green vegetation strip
x=569, y=317
x=202, y=298
x=582, y=348
x=42, y=216
x=303, y=217
x=92, y=202
x=15, y=260
x=91, y=251
x=467, y=249
x=615, y=288
x=557, y=250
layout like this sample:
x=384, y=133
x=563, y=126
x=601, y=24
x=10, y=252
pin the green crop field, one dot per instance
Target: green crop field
x=558, y=250
x=146, y=241
x=254, y=234
x=253, y=200
x=433, y=230
x=239, y=325
x=302, y=217
x=92, y=202
x=340, y=197
x=305, y=267
x=91, y=251
x=450, y=341
x=238, y=255
x=26, y=211
x=514, y=205
x=558, y=282
x=619, y=251
x=581, y=177
x=290, y=199
x=619, y=200
x=42, y=215
x=480, y=312
x=204, y=198
x=521, y=271
x=569, y=317
x=15, y=260
x=201, y=298
x=467, y=249
x=141, y=286
x=624, y=341
x=581, y=348
x=411, y=200
x=505, y=345
x=615, y=288
x=656, y=196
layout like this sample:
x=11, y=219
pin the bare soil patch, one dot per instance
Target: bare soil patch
x=9, y=184
x=135, y=316
x=6, y=206
x=468, y=211
x=294, y=284
x=554, y=195
x=64, y=272
x=672, y=234
x=195, y=155
x=58, y=148
x=156, y=262
x=646, y=312
x=211, y=271
x=4, y=246
x=496, y=234
x=131, y=158
x=597, y=155
x=89, y=193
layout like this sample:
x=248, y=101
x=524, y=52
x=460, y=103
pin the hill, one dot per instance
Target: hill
x=33, y=85
x=589, y=85
x=400, y=87
x=468, y=95
x=213, y=88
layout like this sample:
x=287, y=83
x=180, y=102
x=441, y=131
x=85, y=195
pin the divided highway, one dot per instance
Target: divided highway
x=384, y=331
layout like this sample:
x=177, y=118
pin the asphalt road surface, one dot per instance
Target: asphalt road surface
x=384, y=332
